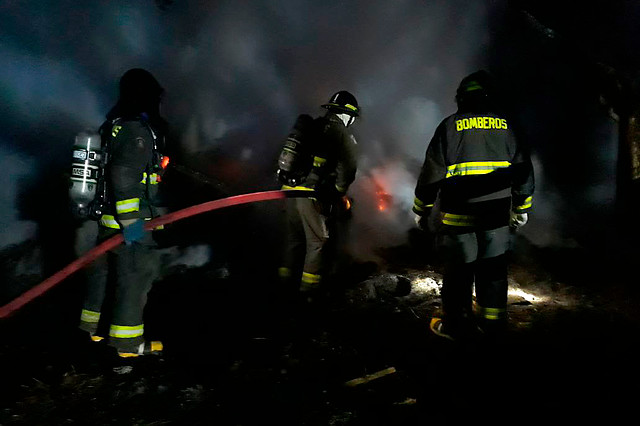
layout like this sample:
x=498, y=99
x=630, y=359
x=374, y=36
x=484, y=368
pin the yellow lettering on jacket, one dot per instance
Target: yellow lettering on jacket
x=115, y=131
x=481, y=123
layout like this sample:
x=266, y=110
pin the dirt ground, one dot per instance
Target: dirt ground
x=239, y=353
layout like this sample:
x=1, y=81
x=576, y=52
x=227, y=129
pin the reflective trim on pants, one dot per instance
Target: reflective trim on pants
x=128, y=206
x=89, y=316
x=126, y=331
x=284, y=272
x=310, y=278
x=492, y=313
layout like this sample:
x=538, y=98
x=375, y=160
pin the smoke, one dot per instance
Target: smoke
x=40, y=87
x=15, y=167
x=237, y=74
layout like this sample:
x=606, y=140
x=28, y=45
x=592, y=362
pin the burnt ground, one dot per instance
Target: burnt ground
x=240, y=352
x=237, y=352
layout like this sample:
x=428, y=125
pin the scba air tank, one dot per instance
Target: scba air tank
x=294, y=162
x=85, y=172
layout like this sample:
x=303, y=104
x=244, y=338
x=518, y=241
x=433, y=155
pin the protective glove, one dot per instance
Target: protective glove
x=422, y=220
x=134, y=232
x=517, y=220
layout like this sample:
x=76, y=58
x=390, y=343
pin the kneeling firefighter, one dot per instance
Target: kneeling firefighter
x=319, y=155
x=484, y=179
x=131, y=138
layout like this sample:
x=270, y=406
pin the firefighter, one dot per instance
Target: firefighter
x=482, y=179
x=309, y=220
x=132, y=132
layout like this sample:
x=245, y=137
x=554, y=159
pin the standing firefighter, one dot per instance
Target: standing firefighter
x=130, y=136
x=319, y=155
x=484, y=179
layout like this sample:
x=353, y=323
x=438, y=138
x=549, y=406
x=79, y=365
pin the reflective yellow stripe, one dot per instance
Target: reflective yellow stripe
x=319, y=161
x=341, y=189
x=492, y=313
x=89, y=316
x=284, y=272
x=528, y=202
x=475, y=168
x=458, y=219
x=128, y=206
x=419, y=205
x=297, y=188
x=348, y=106
x=126, y=331
x=472, y=86
x=154, y=178
x=310, y=278
x=109, y=221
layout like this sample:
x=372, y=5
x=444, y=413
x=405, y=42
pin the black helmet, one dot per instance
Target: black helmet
x=343, y=102
x=138, y=87
x=478, y=83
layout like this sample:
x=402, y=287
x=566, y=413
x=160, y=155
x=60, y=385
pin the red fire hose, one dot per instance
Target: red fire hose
x=100, y=249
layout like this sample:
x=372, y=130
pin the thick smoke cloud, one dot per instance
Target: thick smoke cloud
x=236, y=75
x=16, y=167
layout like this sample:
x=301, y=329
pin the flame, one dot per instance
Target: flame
x=383, y=200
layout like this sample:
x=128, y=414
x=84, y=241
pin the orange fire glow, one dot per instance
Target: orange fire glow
x=383, y=200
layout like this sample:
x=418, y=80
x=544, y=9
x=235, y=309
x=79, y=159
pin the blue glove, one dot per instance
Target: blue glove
x=134, y=232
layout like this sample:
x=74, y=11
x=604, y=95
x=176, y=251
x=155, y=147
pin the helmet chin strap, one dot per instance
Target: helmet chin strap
x=346, y=119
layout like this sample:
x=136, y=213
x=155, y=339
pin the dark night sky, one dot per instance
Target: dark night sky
x=236, y=77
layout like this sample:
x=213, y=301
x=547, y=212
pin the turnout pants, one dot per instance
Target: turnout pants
x=129, y=271
x=475, y=257
x=306, y=241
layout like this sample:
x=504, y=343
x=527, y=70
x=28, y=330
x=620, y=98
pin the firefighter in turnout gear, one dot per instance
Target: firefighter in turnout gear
x=132, y=134
x=331, y=150
x=482, y=177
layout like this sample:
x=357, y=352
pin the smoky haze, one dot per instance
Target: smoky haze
x=237, y=74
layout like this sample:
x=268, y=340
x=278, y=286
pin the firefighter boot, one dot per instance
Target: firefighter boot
x=439, y=328
x=492, y=293
x=145, y=348
x=310, y=287
x=457, y=290
x=459, y=328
